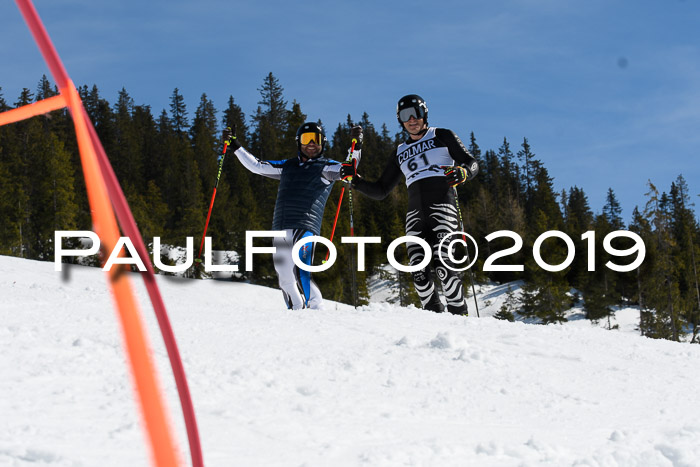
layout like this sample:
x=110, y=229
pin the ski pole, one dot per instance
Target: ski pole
x=213, y=196
x=335, y=221
x=340, y=202
x=466, y=249
x=352, y=234
x=352, y=253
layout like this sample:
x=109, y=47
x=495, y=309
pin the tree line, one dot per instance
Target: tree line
x=167, y=166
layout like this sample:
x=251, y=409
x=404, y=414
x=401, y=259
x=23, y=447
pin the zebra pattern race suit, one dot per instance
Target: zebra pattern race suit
x=432, y=213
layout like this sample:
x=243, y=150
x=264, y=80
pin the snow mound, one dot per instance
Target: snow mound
x=380, y=385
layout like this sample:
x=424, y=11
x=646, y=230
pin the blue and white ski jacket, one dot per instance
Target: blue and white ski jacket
x=303, y=191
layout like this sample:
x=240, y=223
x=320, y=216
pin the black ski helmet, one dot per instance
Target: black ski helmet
x=412, y=101
x=311, y=127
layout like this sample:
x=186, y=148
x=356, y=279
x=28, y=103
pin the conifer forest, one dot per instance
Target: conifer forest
x=167, y=166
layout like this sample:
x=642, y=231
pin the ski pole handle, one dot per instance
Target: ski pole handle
x=221, y=163
x=352, y=150
x=349, y=159
x=340, y=201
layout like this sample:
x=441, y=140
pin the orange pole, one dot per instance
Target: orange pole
x=142, y=368
x=30, y=110
x=163, y=448
x=128, y=224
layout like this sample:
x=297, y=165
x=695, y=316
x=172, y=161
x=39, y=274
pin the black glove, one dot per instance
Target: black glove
x=455, y=175
x=229, y=137
x=356, y=134
x=348, y=170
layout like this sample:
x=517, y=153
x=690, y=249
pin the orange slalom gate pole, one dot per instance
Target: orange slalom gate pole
x=31, y=110
x=138, y=351
x=126, y=220
x=156, y=424
x=31, y=17
x=123, y=212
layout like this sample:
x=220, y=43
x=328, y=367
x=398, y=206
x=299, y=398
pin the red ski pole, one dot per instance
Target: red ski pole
x=213, y=196
x=340, y=202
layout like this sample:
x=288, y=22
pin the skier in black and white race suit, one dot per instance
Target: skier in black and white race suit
x=305, y=184
x=433, y=161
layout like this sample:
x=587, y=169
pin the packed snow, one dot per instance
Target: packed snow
x=380, y=385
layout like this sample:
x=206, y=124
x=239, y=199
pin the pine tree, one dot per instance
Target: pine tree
x=206, y=145
x=623, y=283
x=641, y=226
x=205, y=139
x=469, y=191
x=509, y=307
x=267, y=142
x=577, y=221
x=54, y=199
x=662, y=293
x=295, y=118
x=613, y=211
x=44, y=89
x=234, y=116
x=271, y=120
x=25, y=97
x=102, y=117
x=474, y=148
x=126, y=154
x=178, y=112
x=599, y=288
x=151, y=158
x=19, y=162
x=526, y=157
x=510, y=172
x=10, y=238
x=243, y=204
x=10, y=232
x=149, y=210
x=182, y=189
x=42, y=187
x=544, y=296
x=3, y=104
x=684, y=228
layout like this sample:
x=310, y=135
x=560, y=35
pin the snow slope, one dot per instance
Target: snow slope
x=376, y=386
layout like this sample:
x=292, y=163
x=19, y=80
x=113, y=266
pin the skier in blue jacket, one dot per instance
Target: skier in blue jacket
x=305, y=184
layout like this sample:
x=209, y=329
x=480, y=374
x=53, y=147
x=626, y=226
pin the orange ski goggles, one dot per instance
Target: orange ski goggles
x=307, y=137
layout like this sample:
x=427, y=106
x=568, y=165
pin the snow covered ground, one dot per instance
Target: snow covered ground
x=377, y=386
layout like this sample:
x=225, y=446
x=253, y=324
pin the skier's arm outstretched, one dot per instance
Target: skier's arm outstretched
x=271, y=169
x=381, y=188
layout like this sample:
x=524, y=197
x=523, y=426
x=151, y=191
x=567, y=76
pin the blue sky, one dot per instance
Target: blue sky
x=607, y=92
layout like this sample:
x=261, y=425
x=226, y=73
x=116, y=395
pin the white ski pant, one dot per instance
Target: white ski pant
x=299, y=290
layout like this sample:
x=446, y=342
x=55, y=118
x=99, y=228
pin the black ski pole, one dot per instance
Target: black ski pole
x=352, y=233
x=466, y=249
